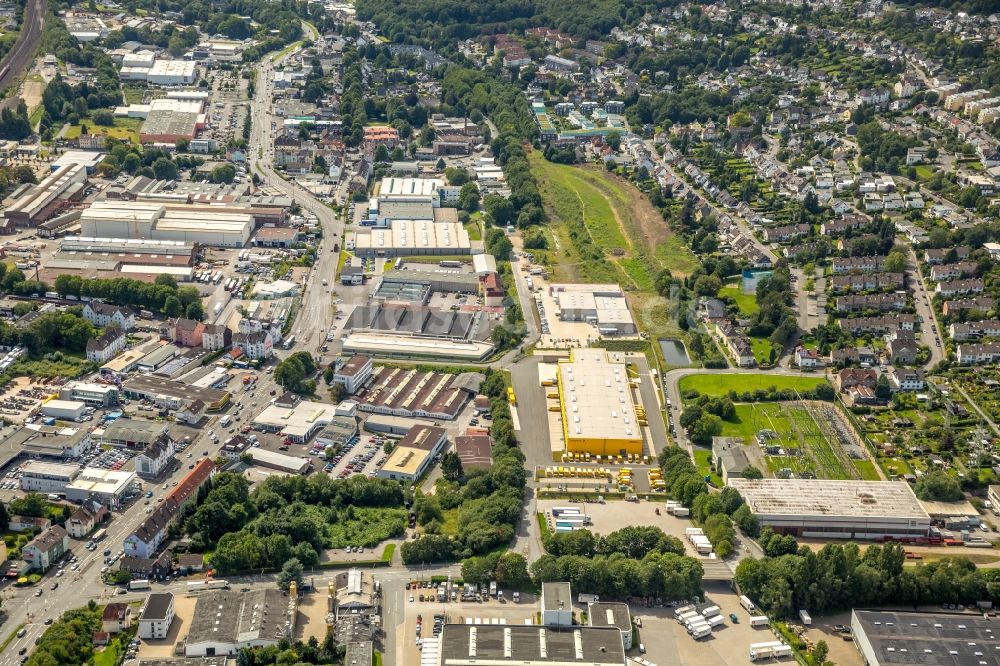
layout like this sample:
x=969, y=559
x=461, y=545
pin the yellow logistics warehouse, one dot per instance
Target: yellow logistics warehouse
x=598, y=412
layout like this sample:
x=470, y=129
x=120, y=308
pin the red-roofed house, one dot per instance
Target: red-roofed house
x=492, y=290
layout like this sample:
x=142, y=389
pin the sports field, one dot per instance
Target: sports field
x=721, y=384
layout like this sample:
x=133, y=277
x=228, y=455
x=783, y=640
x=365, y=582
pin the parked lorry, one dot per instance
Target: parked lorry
x=805, y=617
x=710, y=611
x=716, y=620
x=140, y=584
x=759, y=621
x=747, y=604
x=701, y=632
x=683, y=609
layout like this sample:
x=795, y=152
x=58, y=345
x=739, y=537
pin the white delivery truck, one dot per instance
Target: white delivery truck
x=747, y=604
x=225, y=420
x=140, y=584
x=683, y=609
x=686, y=617
x=805, y=617
x=710, y=611
x=716, y=620
x=701, y=632
x=759, y=621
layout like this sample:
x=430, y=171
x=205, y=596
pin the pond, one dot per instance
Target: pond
x=674, y=352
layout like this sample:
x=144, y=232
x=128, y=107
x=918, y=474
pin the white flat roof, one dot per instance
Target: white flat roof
x=50, y=469
x=426, y=187
x=108, y=481
x=827, y=499
x=596, y=396
x=417, y=235
x=299, y=420
x=388, y=344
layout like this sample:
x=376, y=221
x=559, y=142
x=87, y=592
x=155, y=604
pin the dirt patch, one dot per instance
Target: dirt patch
x=31, y=93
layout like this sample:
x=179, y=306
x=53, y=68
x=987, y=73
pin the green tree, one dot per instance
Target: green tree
x=512, y=570
x=165, y=169
x=195, y=311
x=938, y=486
x=468, y=197
x=172, y=306
x=451, y=466
x=820, y=653
x=291, y=570
x=895, y=262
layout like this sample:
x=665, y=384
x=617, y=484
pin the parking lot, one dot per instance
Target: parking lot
x=23, y=395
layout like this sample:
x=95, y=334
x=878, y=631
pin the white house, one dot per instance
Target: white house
x=102, y=315
x=106, y=346
x=155, y=458
x=256, y=345
x=157, y=616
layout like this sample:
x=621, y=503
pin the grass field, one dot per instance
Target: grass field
x=762, y=349
x=616, y=218
x=703, y=461
x=747, y=303
x=722, y=384
x=124, y=128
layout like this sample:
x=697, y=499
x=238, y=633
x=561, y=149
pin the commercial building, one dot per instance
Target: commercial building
x=528, y=645
x=835, y=509
x=155, y=458
x=202, y=225
x=598, y=410
x=475, y=451
x=109, y=487
x=42, y=552
x=157, y=616
x=172, y=394
x=41, y=441
x=141, y=259
x=99, y=395
x=901, y=638
x=409, y=392
x=450, y=279
x=298, y=422
x=605, y=614
x=225, y=621
x=353, y=374
x=411, y=347
x=414, y=453
x=602, y=305
x=85, y=518
x=47, y=477
x=404, y=237
x=56, y=191
x=68, y=410
x=279, y=461
x=131, y=433
x=557, y=605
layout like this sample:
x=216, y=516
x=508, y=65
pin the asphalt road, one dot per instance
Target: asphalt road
x=930, y=333
x=23, y=52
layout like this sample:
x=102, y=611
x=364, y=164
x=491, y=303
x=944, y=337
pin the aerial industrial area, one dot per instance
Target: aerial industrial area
x=617, y=334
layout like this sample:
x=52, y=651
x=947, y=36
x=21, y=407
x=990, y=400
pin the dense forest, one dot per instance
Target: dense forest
x=442, y=23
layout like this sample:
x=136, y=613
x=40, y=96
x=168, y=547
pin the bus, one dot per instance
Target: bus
x=98, y=535
x=289, y=342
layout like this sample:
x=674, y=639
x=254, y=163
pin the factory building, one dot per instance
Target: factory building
x=159, y=72
x=598, y=409
x=187, y=224
x=55, y=192
x=527, y=645
x=414, y=453
x=900, y=638
x=835, y=509
x=142, y=259
x=411, y=238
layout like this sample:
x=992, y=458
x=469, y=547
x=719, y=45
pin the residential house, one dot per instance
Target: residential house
x=737, y=343
x=939, y=255
x=807, y=358
x=881, y=302
x=116, y=618
x=103, y=315
x=971, y=330
x=960, y=287
x=191, y=413
x=906, y=380
x=152, y=532
x=843, y=224
x=849, y=377
x=151, y=568
x=256, y=345
x=18, y=523
x=961, y=269
x=85, y=518
x=157, y=615
x=785, y=233
x=901, y=347
x=954, y=307
x=878, y=325
x=216, y=337
x=978, y=354
x=868, y=281
x=45, y=549
x=106, y=346
x=729, y=457
x=155, y=458
x=187, y=332
x=870, y=264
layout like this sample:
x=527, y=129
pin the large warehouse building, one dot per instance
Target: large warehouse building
x=189, y=224
x=887, y=638
x=141, y=259
x=160, y=72
x=602, y=305
x=598, y=409
x=40, y=202
x=411, y=238
x=835, y=509
x=527, y=645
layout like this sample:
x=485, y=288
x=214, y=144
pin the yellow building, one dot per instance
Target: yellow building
x=598, y=411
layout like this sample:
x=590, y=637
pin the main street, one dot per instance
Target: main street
x=316, y=312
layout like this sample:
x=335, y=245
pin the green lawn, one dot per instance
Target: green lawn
x=924, y=172
x=703, y=461
x=109, y=655
x=124, y=128
x=747, y=303
x=722, y=384
x=866, y=469
x=762, y=349
x=590, y=204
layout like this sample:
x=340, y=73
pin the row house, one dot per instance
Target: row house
x=153, y=531
x=878, y=325
x=935, y=256
x=785, y=233
x=961, y=269
x=880, y=302
x=971, y=330
x=843, y=224
x=960, y=287
x=956, y=306
x=216, y=337
x=870, y=264
x=868, y=282
x=978, y=354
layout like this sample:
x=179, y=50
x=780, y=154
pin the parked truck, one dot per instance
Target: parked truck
x=140, y=584
x=701, y=632
x=716, y=620
x=747, y=604
x=710, y=611
x=683, y=609
x=759, y=651
x=759, y=621
x=805, y=617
